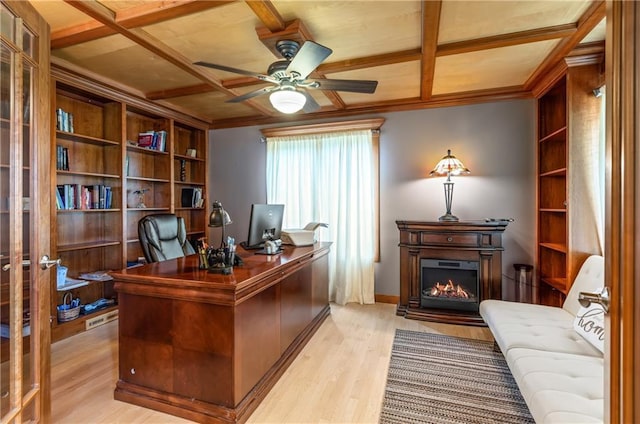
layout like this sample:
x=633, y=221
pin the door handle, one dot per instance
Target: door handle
x=600, y=297
x=25, y=263
x=46, y=263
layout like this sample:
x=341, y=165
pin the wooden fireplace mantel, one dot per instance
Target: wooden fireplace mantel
x=464, y=240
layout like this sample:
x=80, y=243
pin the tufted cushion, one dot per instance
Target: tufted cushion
x=523, y=325
x=559, y=387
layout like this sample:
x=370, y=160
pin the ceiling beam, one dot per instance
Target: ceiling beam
x=325, y=68
x=506, y=40
x=107, y=17
x=458, y=99
x=268, y=14
x=370, y=61
x=147, y=13
x=589, y=19
x=180, y=92
x=430, y=29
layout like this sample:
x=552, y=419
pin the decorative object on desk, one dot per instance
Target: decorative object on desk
x=183, y=170
x=220, y=260
x=449, y=165
x=70, y=308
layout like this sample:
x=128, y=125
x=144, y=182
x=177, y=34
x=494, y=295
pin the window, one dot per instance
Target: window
x=329, y=173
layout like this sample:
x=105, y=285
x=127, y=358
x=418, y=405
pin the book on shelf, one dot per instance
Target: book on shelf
x=192, y=197
x=153, y=140
x=64, y=120
x=62, y=158
x=78, y=196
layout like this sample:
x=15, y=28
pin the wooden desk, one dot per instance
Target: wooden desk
x=209, y=347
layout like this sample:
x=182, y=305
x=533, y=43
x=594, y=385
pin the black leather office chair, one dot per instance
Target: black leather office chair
x=163, y=236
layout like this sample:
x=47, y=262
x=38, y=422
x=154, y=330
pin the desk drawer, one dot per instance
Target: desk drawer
x=447, y=239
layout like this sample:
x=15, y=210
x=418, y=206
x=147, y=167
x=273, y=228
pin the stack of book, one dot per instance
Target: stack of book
x=62, y=158
x=64, y=120
x=154, y=140
x=192, y=197
x=77, y=196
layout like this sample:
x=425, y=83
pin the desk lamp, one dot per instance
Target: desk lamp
x=219, y=218
x=218, y=258
x=449, y=165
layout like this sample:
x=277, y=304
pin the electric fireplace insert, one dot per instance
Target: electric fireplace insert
x=450, y=284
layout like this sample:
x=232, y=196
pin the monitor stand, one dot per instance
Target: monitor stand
x=245, y=246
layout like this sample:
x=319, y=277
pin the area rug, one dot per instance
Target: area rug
x=441, y=379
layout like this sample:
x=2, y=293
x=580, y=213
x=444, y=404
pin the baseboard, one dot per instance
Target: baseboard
x=387, y=298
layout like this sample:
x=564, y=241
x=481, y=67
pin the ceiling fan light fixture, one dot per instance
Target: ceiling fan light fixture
x=287, y=100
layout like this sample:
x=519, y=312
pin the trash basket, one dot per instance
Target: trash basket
x=522, y=278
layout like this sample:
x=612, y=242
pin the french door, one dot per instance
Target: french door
x=24, y=214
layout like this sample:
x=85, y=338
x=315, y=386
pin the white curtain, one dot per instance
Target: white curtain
x=329, y=178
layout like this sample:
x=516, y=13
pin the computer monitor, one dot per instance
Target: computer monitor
x=265, y=224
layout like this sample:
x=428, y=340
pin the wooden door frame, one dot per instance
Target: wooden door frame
x=40, y=194
x=622, y=256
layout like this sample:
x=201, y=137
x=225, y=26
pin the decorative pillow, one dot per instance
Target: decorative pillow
x=589, y=323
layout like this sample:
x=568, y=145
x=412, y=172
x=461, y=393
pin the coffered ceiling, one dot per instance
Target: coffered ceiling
x=423, y=54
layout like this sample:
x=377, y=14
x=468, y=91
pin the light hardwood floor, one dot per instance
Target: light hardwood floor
x=338, y=377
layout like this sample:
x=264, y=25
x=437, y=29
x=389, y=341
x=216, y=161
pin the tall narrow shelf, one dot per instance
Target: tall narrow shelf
x=88, y=167
x=568, y=119
x=148, y=176
x=100, y=148
x=190, y=170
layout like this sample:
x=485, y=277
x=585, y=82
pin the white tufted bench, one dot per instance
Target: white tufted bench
x=560, y=374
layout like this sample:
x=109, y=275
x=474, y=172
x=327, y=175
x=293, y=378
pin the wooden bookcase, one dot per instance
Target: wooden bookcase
x=190, y=173
x=99, y=149
x=568, y=122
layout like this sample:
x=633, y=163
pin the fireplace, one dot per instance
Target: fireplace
x=450, y=284
x=448, y=268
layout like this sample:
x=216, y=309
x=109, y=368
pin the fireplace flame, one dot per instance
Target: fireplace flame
x=449, y=290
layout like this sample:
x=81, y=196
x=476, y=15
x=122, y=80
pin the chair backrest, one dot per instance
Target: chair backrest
x=589, y=278
x=163, y=236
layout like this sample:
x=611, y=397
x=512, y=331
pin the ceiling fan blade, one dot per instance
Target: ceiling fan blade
x=308, y=58
x=310, y=105
x=355, y=86
x=251, y=94
x=237, y=71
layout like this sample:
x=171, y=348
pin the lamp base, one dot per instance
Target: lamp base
x=224, y=269
x=448, y=218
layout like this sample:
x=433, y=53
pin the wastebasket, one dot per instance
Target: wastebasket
x=522, y=278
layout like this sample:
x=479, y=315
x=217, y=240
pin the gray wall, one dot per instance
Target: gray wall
x=495, y=141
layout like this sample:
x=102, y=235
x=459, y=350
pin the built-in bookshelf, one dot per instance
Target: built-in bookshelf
x=189, y=175
x=116, y=159
x=568, y=122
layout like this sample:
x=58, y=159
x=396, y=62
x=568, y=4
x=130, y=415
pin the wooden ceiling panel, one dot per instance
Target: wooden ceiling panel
x=487, y=50
x=468, y=20
x=59, y=15
x=399, y=81
x=225, y=35
x=503, y=67
x=351, y=28
x=137, y=67
x=213, y=104
x=597, y=34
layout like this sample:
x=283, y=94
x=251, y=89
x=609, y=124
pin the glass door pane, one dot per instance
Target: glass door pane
x=20, y=370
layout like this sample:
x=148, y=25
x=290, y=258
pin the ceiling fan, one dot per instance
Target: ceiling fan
x=289, y=93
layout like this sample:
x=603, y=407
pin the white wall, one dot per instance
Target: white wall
x=495, y=141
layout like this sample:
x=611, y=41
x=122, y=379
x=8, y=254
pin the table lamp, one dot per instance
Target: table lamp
x=449, y=165
x=219, y=218
x=219, y=260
